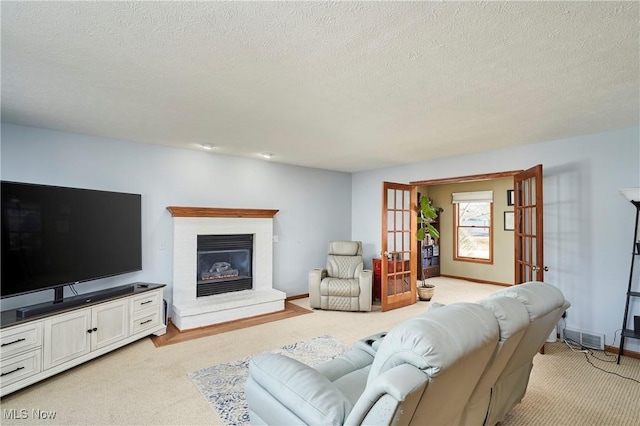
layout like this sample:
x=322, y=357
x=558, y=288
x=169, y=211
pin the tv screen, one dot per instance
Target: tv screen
x=54, y=236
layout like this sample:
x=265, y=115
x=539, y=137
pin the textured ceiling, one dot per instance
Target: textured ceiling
x=345, y=86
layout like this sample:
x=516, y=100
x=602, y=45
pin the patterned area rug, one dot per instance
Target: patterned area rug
x=223, y=384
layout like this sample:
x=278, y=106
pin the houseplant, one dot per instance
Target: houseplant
x=426, y=216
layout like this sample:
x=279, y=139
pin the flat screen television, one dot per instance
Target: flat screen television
x=55, y=236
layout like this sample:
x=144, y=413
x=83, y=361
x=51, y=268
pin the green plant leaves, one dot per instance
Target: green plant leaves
x=426, y=214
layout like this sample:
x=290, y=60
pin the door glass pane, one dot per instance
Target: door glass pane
x=399, y=199
x=390, y=243
x=398, y=220
x=407, y=200
x=532, y=184
x=407, y=220
x=391, y=284
x=390, y=199
x=534, y=258
x=406, y=279
x=533, y=220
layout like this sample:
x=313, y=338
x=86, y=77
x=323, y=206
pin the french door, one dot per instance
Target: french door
x=399, y=246
x=529, y=255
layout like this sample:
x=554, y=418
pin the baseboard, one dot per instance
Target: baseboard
x=473, y=280
x=627, y=352
x=299, y=296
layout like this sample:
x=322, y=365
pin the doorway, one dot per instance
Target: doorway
x=487, y=253
x=526, y=203
x=526, y=216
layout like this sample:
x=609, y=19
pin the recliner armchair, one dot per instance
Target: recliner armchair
x=343, y=285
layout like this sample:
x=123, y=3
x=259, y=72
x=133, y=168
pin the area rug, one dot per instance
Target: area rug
x=222, y=385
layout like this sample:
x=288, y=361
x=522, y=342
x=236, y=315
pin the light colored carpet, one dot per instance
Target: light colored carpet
x=222, y=385
x=564, y=389
x=142, y=384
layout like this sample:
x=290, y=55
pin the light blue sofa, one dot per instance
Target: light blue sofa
x=464, y=363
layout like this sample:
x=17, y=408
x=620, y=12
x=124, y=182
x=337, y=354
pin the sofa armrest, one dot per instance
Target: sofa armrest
x=315, y=278
x=305, y=392
x=403, y=383
x=366, y=286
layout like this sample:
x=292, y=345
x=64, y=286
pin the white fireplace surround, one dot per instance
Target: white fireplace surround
x=189, y=311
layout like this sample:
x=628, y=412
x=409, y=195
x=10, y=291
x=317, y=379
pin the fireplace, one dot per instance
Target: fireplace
x=224, y=264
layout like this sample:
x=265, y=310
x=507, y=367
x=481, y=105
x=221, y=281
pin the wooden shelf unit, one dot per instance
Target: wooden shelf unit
x=429, y=254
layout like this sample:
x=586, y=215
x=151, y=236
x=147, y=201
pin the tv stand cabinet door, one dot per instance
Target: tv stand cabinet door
x=110, y=322
x=66, y=337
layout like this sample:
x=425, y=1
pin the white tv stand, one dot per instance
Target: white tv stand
x=41, y=346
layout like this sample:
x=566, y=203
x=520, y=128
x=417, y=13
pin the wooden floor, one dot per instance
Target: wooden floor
x=173, y=335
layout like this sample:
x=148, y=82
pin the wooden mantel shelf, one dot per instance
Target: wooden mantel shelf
x=177, y=211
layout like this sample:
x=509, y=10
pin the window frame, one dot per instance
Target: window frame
x=456, y=226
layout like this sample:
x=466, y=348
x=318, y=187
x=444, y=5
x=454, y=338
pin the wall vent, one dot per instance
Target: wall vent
x=584, y=338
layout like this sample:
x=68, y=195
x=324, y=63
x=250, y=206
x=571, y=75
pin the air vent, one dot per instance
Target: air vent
x=584, y=338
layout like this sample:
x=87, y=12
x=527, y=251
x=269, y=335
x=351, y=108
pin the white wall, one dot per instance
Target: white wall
x=588, y=224
x=315, y=205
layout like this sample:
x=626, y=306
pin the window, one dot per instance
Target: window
x=473, y=226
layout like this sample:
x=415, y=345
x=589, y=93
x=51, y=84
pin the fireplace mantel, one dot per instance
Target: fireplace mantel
x=178, y=211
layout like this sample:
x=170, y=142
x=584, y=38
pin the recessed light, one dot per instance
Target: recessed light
x=267, y=155
x=206, y=145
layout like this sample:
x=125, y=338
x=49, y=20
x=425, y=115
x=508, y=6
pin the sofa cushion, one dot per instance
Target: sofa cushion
x=342, y=287
x=436, y=339
x=307, y=393
x=344, y=267
x=352, y=384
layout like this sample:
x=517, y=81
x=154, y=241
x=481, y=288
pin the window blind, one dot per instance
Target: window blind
x=472, y=197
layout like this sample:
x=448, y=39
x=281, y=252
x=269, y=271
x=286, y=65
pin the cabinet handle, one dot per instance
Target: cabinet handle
x=12, y=371
x=145, y=322
x=148, y=301
x=11, y=343
x=91, y=330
